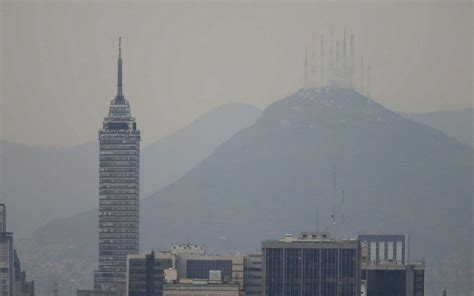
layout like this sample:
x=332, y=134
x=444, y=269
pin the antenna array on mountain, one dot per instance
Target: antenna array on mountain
x=339, y=69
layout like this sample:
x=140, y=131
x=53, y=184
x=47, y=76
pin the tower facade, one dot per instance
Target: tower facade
x=119, y=198
x=312, y=264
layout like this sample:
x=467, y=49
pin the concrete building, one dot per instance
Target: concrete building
x=96, y=293
x=12, y=279
x=119, y=170
x=22, y=287
x=311, y=264
x=253, y=275
x=198, y=267
x=201, y=288
x=6, y=264
x=393, y=279
x=146, y=274
x=386, y=248
x=386, y=269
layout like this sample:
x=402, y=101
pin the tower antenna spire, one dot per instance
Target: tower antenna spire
x=368, y=80
x=322, y=60
x=313, y=63
x=306, y=66
x=362, y=74
x=119, y=72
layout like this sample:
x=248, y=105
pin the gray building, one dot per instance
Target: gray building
x=253, y=274
x=119, y=167
x=393, y=279
x=146, y=274
x=6, y=264
x=386, y=268
x=386, y=248
x=311, y=264
x=12, y=279
x=96, y=293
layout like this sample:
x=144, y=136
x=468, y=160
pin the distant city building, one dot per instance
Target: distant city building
x=391, y=248
x=119, y=168
x=201, y=288
x=199, y=267
x=393, y=279
x=96, y=293
x=12, y=279
x=188, y=249
x=253, y=275
x=311, y=264
x=386, y=270
x=22, y=286
x=3, y=218
x=6, y=264
x=193, y=263
x=146, y=274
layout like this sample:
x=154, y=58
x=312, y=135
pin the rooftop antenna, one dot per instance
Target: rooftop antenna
x=317, y=220
x=322, y=61
x=342, y=212
x=362, y=74
x=344, y=50
x=313, y=63
x=306, y=66
x=331, y=62
x=352, y=61
x=119, y=72
x=333, y=214
x=337, y=62
x=368, y=81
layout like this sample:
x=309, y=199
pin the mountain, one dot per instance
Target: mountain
x=40, y=184
x=271, y=178
x=455, y=123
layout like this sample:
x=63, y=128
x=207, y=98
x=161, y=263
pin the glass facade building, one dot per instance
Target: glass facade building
x=311, y=265
x=146, y=274
x=393, y=280
x=119, y=178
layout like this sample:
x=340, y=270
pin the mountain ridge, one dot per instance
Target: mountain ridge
x=270, y=178
x=60, y=182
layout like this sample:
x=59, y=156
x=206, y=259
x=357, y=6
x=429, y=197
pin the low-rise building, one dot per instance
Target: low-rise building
x=201, y=288
x=253, y=275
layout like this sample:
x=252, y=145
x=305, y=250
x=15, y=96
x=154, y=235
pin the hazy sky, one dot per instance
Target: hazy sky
x=58, y=59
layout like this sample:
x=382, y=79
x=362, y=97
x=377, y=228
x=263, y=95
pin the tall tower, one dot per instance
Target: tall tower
x=119, y=170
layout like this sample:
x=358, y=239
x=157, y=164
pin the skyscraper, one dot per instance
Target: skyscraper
x=6, y=257
x=119, y=171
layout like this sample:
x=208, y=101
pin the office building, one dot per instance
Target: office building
x=386, y=270
x=311, y=264
x=12, y=279
x=6, y=264
x=22, y=287
x=96, y=293
x=393, y=279
x=119, y=168
x=146, y=274
x=198, y=267
x=253, y=275
x=201, y=288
